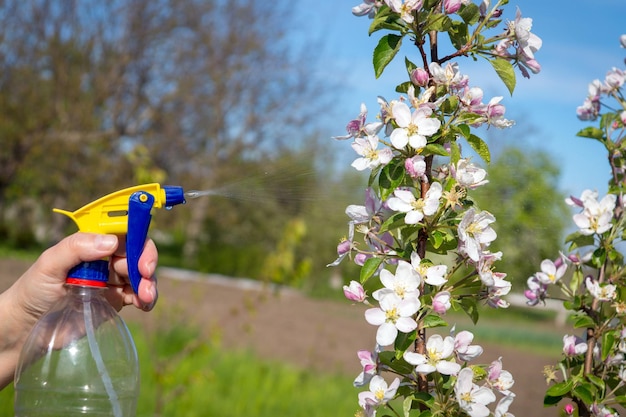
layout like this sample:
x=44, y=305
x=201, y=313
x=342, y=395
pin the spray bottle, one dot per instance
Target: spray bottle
x=80, y=359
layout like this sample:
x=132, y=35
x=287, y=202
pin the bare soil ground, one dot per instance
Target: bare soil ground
x=287, y=326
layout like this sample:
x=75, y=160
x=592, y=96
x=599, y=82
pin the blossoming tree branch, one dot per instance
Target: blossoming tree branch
x=422, y=243
x=590, y=277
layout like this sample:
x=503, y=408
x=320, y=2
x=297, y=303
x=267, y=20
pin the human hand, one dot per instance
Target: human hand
x=43, y=284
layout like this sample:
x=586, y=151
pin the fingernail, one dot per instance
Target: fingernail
x=151, y=267
x=105, y=242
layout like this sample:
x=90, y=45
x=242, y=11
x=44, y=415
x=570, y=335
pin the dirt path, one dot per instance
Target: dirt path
x=323, y=335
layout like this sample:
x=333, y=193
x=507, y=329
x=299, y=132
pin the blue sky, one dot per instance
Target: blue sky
x=580, y=43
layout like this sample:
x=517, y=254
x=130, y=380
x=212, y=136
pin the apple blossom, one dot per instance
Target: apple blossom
x=369, y=364
x=550, y=273
x=368, y=7
x=371, y=157
x=601, y=292
x=465, y=351
x=451, y=6
x=416, y=208
x=536, y=291
x=475, y=232
x=500, y=379
x=472, y=398
x=573, y=345
x=405, y=8
x=380, y=393
x=420, y=77
x=415, y=167
x=596, y=216
x=448, y=76
x=502, y=408
x=432, y=274
x=358, y=127
x=469, y=175
x=441, y=302
x=404, y=283
x=393, y=315
x=354, y=292
x=438, y=351
x=413, y=127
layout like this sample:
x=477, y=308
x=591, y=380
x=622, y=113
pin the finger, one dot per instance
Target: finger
x=72, y=250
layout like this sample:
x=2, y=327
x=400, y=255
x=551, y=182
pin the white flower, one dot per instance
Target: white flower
x=413, y=128
x=394, y=314
x=434, y=275
x=472, y=398
x=371, y=157
x=448, y=76
x=416, y=208
x=380, y=393
x=368, y=362
x=464, y=350
x=502, y=409
x=404, y=283
x=596, y=216
x=550, y=274
x=573, y=346
x=498, y=378
x=475, y=232
x=405, y=8
x=604, y=292
x=469, y=175
x=438, y=351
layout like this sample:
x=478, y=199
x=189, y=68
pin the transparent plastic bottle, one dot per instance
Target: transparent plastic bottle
x=79, y=360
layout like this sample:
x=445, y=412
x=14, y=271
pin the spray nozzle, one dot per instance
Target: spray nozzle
x=127, y=213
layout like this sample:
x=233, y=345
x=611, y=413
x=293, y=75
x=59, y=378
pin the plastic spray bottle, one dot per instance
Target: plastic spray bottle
x=80, y=359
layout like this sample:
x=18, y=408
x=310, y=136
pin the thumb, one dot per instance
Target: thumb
x=72, y=250
x=42, y=285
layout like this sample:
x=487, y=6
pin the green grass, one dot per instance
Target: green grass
x=183, y=375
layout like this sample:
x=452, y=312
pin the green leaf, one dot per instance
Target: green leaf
x=435, y=149
x=578, y=240
x=608, y=339
x=480, y=147
x=468, y=304
x=598, y=382
x=391, y=177
x=560, y=389
x=583, y=321
x=577, y=279
x=385, y=51
x=458, y=34
x=369, y=268
x=385, y=19
x=505, y=71
x=403, y=342
x=621, y=400
x=455, y=152
x=584, y=393
x=470, y=13
x=591, y=133
x=433, y=320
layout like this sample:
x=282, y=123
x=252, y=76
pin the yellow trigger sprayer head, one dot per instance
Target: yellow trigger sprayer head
x=124, y=212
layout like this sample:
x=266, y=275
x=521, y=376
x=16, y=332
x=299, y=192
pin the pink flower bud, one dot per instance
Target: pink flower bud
x=354, y=292
x=415, y=166
x=441, y=302
x=451, y=6
x=360, y=259
x=344, y=247
x=569, y=409
x=419, y=77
